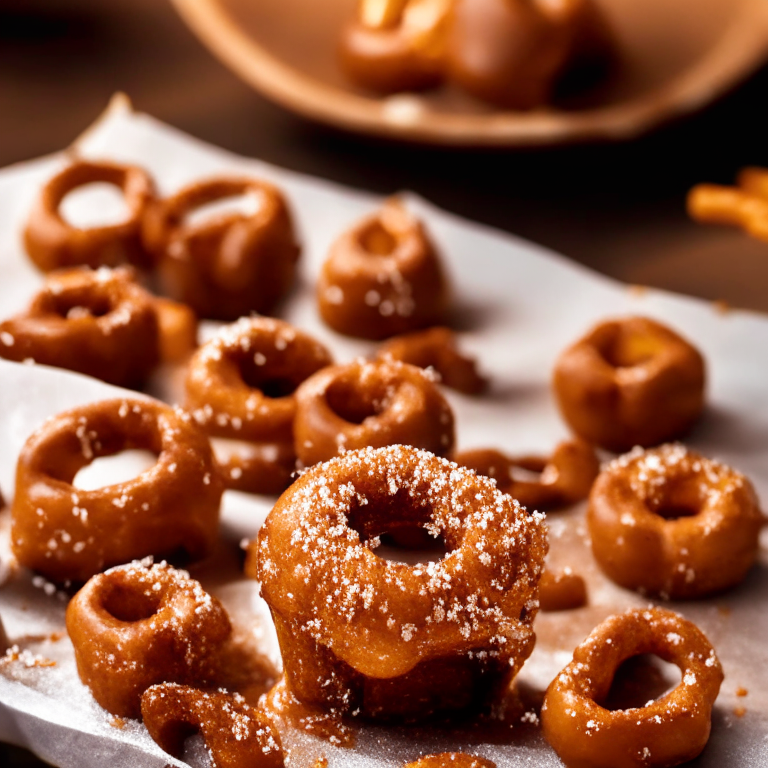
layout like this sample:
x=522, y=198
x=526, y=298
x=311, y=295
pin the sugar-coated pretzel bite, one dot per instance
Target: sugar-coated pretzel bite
x=669, y=522
x=140, y=624
x=565, y=477
x=69, y=534
x=663, y=733
x=630, y=381
x=230, y=264
x=53, y=243
x=451, y=760
x=345, y=407
x=101, y=323
x=383, y=277
x=436, y=348
x=398, y=641
x=236, y=735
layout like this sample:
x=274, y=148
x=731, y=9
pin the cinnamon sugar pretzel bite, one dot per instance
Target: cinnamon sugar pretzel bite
x=236, y=735
x=395, y=45
x=66, y=533
x=385, y=639
x=383, y=277
x=451, y=760
x=140, y=624
x=436, y=348
x=745, y=205
x=561, y=591
x=665, y=732
x=231, y=264
x=53, y=243
x=669, y=522
x=630, y=381
x=565, y=477
x=345, y=407
x=100, y=323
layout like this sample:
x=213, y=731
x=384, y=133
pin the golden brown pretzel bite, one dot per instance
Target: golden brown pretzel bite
x=561, y=591
x=383, y=277
x=669, y=522
x=236, y=735
x=392, y=640
x=666, y=732
x=344, y=407
x=630, y=381
x=66, y=533
x=101, y=323
x=141, y=624
x=231, y=264
x=53, y=243
x=451, y=760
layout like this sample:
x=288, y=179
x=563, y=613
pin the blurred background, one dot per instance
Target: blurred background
x=616, y=207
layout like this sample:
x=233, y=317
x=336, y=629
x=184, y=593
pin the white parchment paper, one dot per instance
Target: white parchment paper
x=517, y=307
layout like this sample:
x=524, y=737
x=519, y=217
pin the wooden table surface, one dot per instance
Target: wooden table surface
x=617, y=208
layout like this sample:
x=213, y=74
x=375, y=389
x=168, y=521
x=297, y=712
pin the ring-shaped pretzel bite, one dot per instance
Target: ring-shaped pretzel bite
x=141, y=624
x=398, y=641
x=100, y=323
x=345, y=407
x=565, y=477
x=451, y=760
x=67, y=533
x=436, y=348
x=663, y=733
x=229, y=264
x=669, y=522
x=236, y=735
x=628, y=382
x=53, y=243
x=383, y=277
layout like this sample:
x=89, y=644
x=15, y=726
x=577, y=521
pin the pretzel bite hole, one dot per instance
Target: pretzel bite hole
x=118, y=468
x=245, y=205
x=73, y=306
x=127, y=604
x=639, y=681
x=354, y=403
x=628, y=350
x=376, y=240
x=98, y=204
x=252, y=373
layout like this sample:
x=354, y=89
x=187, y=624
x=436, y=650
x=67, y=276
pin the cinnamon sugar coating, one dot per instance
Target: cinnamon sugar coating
x=66, y=533
x=663, y=733
x=141, y=624
x=383, y=277
x=669, y=522
x=630, y=381
x=386, y=639
x=346, y=407
x=236, y=735
x=101, y=323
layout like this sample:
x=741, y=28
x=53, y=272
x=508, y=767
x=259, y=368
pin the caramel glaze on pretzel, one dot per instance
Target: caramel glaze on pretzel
x=101, y=323
x=345, y=407
x=629, y=382
x=141, y=624
x=236, y=735
x=668, y=522
x=666, y=732
x=66, y=533
x=436, y=348
x=565, y=477
x=53, y=243
x=383, y=277
x=231, y=264
x=451, y=760
x=384, y=639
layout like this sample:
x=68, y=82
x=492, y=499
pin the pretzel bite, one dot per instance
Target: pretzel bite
x=629, y=382
x=344, y=407
x=99, y=323
x=564, y=478
x=66, y=533
x=669, y=522
x=236, y=735
x=561, y=591
x=230, y=264
x=384, y=639
x=53, y=243
x=436, y=348
x=383, y=277
x=451, y=760
x=665, y=732
x=141, y=624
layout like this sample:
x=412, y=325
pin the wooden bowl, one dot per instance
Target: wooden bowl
x=676, y=56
